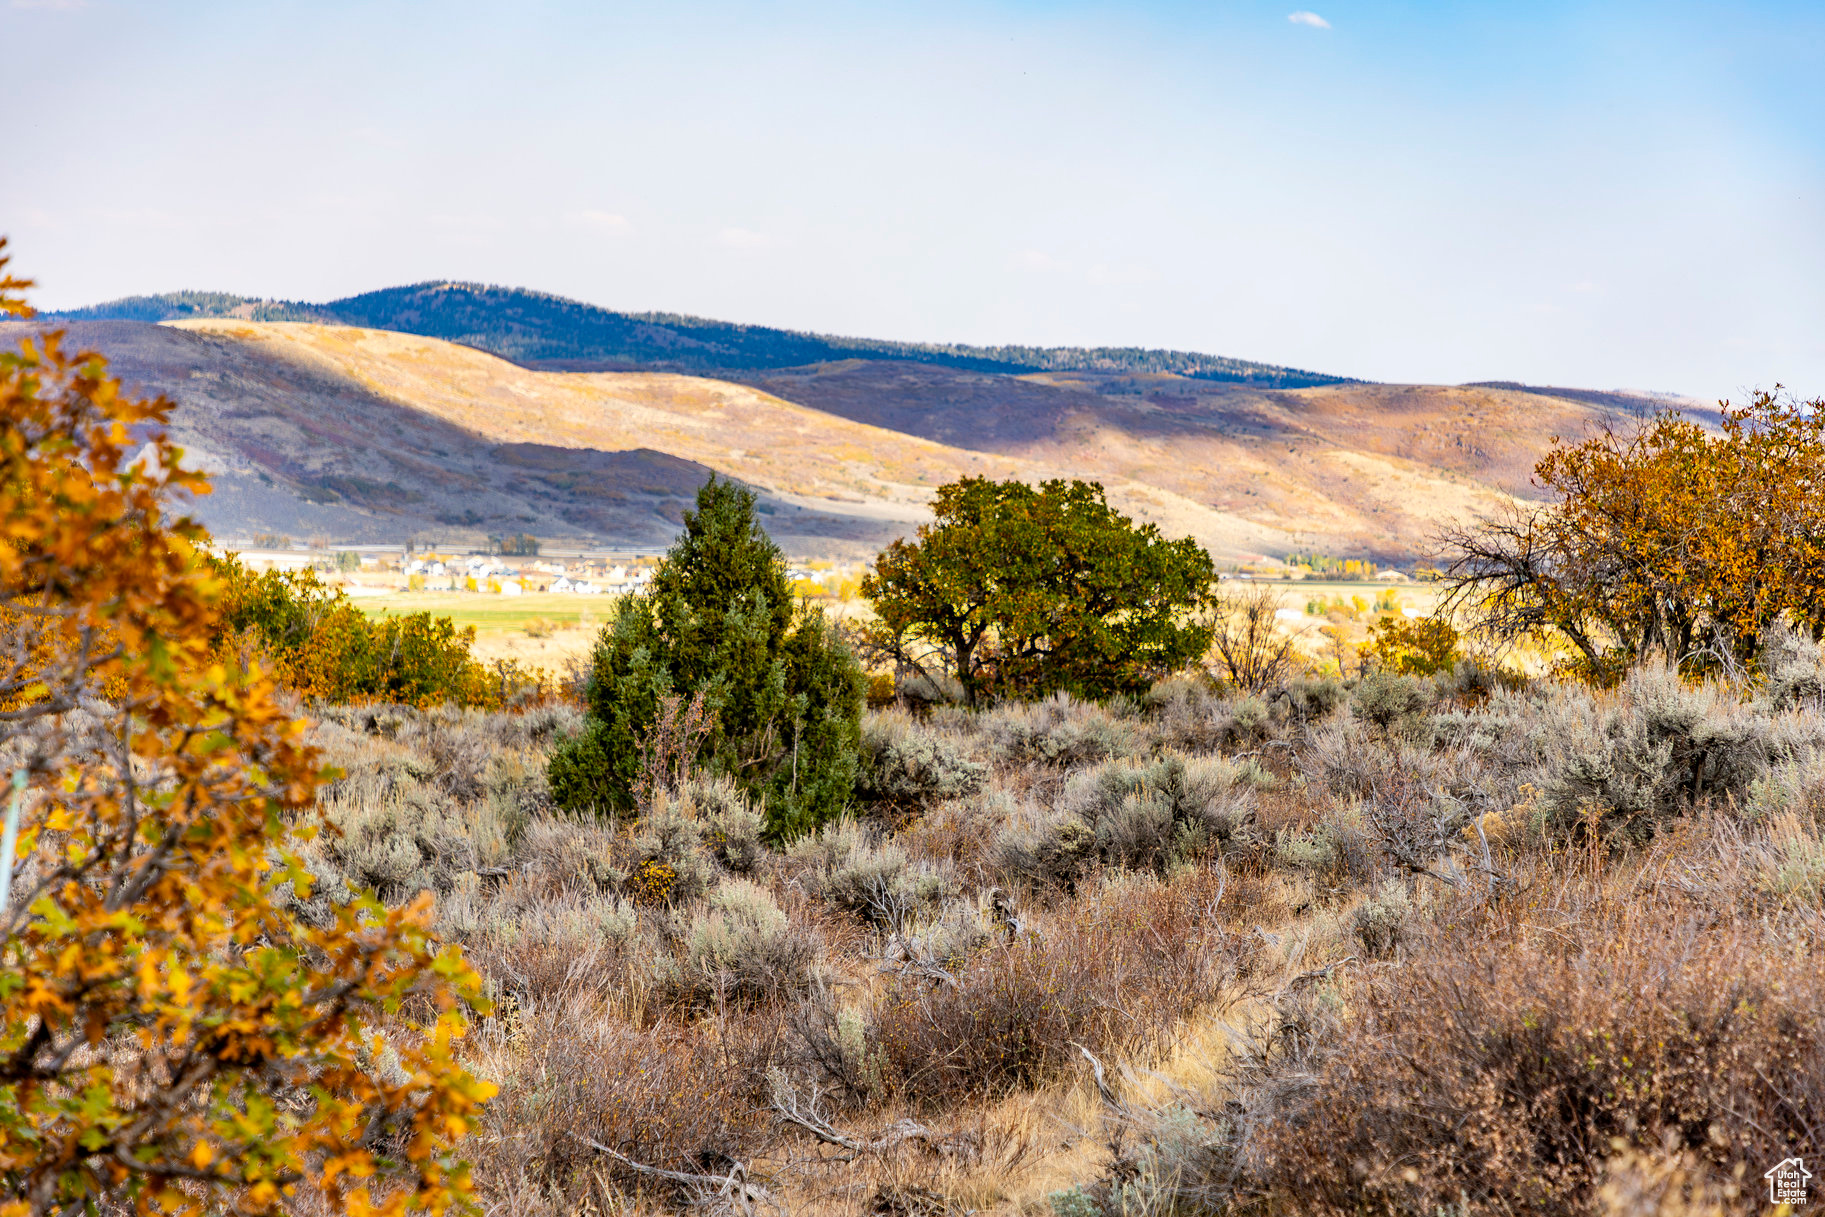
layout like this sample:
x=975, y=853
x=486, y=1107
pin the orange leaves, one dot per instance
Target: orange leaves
x=155, y=991
x=1418, y=648
x=1669, y=541
x=319, y=644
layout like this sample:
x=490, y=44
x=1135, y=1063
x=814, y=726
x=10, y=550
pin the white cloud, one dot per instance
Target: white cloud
x=743, y=238
x=65, y=6
x=605, y=222
x=1303, y=17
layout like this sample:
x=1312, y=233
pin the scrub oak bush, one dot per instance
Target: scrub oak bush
x=174, y=1035
x=1412, y=648
x=1665, y=543
x=316, y=641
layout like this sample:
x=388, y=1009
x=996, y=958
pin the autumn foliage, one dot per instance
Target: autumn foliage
x=173, y=1035
x=1669, y=542
x=317, y=642
x=1413, y=648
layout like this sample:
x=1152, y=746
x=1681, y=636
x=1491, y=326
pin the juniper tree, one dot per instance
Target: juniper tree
x=784, y=692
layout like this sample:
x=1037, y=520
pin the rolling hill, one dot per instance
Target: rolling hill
x=558, y=334
x=367, y=434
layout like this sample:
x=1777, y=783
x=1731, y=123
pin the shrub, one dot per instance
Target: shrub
x=1058, y=850
x=1473, y=681
x=731, y=828
x=948, y=940
x=784, y=691
x=931, y=689
x=1790, y=869
x=1155, y=813
x=1794, y=786
x=319, y=643
x=1255, y=652
x=1413, y=648
x=1312, y=698
x=1337, y=850
x=845, y=865
x=1379, y=922
x=1148, y=815
x=1177, y=689
x=1654, y=753
x=1396, y=704
x=670, y=865
x=163, y=1004
x=1251, y=720
x=1059, y=730
x=741, y=948
x=1493, y=1073
x=1792, y=668
x=1115, y=970
x=685, y=1097
x=1187, y=712
x=1018, y=592
x=905, y=761
x=546, y=950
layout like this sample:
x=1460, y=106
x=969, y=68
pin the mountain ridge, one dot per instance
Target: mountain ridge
x=542, y=329
x=363, y=435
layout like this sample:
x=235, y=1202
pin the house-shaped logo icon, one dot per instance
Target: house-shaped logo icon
x=1787, y=1182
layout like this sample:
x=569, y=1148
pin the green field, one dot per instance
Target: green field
x=495, y=614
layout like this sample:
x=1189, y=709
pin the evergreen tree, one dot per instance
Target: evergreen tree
x=719, y=620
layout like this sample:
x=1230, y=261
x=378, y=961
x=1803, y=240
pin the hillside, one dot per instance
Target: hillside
x=367, y=435
x=370, y=435
x=568, y=335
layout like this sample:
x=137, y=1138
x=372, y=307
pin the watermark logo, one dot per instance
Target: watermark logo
x=1787, y=1181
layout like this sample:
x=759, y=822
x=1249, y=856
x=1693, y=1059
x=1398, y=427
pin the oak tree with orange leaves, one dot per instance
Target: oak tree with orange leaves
x=173, y=1037
x=1670, y=542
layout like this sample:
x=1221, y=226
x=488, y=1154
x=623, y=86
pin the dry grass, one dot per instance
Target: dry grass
x=1401, y=979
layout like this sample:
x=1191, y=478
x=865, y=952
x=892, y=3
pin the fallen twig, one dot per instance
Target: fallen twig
x=733, y=1187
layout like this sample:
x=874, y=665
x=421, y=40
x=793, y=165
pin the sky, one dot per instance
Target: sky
x=1616, y=195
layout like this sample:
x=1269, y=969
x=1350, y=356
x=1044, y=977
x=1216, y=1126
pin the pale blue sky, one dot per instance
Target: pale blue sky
x=1608, y=195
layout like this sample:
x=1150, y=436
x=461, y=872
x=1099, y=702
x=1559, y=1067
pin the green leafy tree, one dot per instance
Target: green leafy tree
x=783, y=690
x=1018, y=592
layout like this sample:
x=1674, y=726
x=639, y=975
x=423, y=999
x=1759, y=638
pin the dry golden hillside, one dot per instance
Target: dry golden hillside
x=1345, y=468
x=360, y=434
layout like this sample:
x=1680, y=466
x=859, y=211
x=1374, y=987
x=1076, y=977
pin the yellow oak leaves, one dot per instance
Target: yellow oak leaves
x=1670, y=541
x=174, y=1032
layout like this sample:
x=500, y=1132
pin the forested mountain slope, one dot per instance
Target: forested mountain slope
x=538, y=328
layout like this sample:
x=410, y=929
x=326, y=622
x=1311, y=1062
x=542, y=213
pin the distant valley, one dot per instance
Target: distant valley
x=524, y=412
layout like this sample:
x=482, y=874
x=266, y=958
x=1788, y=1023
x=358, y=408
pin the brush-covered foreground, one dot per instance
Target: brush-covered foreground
x=1422, y=947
